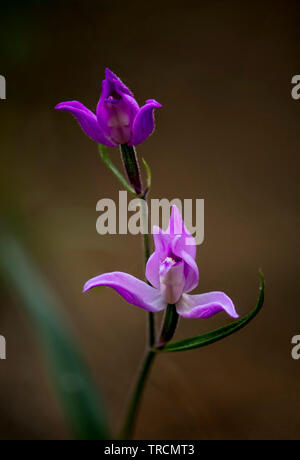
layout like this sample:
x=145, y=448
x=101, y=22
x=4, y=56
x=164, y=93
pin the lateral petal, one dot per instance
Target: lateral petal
x=205, y=305
x=87, y=121
x=132, y=289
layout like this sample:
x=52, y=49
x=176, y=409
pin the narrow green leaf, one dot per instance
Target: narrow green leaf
x=111, y=166
x=75, y=389
x=148, y=170
x=218, y=334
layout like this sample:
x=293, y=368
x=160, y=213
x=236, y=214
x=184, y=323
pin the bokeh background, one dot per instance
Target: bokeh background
x=229, y=133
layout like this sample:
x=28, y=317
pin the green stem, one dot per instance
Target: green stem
x=151, y=328
x=132, y=168
x=151, y=320
x=169, y=326
x=136, y=398
x=168, y=329
x=134, y=405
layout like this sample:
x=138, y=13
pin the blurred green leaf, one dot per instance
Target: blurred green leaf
x=76, y=391
x=111, y=166
x=148, y=170
x=218, y=334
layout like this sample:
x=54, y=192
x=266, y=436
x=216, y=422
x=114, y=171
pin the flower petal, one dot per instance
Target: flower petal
x=172, y=280
x=143, y=124
x=160, y=253
x=87, y=121
x=116, y=83
x=162, y=241
x=177, y=227
x=162, y=245
x=132, y=289
x=205, y=305
x=191, y=271
x=116, y=109
x=152, y=270
x=173, y=243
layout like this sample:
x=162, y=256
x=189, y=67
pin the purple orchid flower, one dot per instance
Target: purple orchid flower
x=118, y=119
x=172, y=272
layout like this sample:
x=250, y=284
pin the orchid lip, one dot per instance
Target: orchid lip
x=172, y=281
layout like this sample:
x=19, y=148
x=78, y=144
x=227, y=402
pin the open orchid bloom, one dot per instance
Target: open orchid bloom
x=118, y=119
x=172, y=272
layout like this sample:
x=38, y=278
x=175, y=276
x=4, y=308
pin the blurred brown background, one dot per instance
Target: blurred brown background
x=228, y=133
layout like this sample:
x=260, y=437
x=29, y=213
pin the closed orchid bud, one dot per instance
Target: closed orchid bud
x=119, y=119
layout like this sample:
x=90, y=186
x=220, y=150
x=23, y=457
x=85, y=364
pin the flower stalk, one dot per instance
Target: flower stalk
x=151, y=319
x=131, y=166
x=169, y=326
x=130, y=420
x=167, y=331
